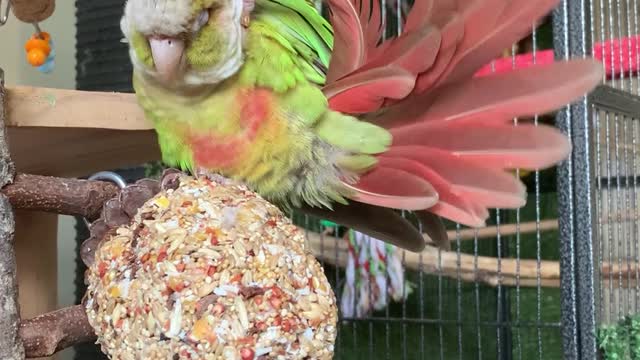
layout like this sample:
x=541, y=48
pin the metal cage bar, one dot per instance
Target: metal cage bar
x=572, y=38
x=598, y=184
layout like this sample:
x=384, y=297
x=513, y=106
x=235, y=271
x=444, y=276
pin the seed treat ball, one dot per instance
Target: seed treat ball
x=209, y=270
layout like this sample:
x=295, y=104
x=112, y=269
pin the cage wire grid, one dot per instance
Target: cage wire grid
x=615, y=135
x=599, y=184
x=472, y=302
x=498, y=293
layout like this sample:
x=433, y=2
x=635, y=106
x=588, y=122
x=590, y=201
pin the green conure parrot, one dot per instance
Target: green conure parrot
x=329, y=116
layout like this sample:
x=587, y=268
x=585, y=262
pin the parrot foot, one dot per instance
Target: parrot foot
x=245, y=20
x=219, y=179
x=201, y=173
x=247, y=9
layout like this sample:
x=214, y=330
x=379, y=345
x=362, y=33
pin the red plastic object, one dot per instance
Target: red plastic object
x=619, y=56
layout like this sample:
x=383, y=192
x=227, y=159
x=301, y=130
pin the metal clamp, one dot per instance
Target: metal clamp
x=108, y=176
x=4, y=17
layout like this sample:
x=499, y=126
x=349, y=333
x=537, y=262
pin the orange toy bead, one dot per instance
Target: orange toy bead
x=36, y=57
x=38, y=43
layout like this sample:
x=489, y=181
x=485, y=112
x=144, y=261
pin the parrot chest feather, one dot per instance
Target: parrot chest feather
x=216, y=152
x=246, y=134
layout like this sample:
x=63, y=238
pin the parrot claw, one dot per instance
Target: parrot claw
x=246, y=19
x=202, y=173
x=247, y=9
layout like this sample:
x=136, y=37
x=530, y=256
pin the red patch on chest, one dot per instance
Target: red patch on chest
x=255, y=107
x=212, y=152
x=220, y=152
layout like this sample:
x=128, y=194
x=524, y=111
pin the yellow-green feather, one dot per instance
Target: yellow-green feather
x=308, y=32
x=270, y=60
x=142, y=49
x=204, y=48
x=283, y=29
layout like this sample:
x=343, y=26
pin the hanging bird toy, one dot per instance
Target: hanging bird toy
x=40, y=51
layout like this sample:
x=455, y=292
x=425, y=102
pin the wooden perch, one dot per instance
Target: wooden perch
x=61, y=196
x=45, y=107
x=10, y=345
x=73, y=133
x=512, y=273
x=483, y=269
x=503, y=230
x=55, y=331
x=617, y=275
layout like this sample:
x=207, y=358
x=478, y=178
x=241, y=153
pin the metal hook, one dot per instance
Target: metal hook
x=108, y=176
x=38, y=31
x=4, y=17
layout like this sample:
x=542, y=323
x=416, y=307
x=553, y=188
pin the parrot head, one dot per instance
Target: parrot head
x=185, y=42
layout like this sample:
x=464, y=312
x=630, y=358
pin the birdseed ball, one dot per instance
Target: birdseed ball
x=210, y=270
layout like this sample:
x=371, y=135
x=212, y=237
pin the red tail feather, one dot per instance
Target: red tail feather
x=348, y=44
x=498, y=98
x=452, y=33
x=453, y=138
x=409, y=190
x=366, y=91
x=418, y=15
x=501, y=146
x=415, y=51
x=372, y=17
x=482, y=43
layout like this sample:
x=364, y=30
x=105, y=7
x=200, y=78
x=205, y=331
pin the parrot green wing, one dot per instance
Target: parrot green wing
x=302, y=25
x=296, y=27
x=289, y=50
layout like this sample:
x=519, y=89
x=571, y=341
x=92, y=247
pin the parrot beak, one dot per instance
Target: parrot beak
x=167, y=55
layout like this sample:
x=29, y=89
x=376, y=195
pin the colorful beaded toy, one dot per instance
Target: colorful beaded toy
x=40, y=51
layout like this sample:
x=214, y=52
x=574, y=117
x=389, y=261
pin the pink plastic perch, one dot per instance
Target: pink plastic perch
x=618, y=56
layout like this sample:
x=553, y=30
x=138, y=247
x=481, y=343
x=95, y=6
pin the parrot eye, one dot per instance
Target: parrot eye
x=201, y=20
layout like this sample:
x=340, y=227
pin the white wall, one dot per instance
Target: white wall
x=61, y=26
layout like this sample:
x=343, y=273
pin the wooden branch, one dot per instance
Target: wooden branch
x=503, y=230
x=55, y=331
x=620, y=216
x=471, y=268
x=617, y=270
x=623, y=276
x=61, y=196
x=504, y=280
x=10, y=345
x=512, y=273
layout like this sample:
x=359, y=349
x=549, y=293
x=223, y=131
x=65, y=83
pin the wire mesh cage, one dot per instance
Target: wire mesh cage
x=614, y=28
x=599, y=202
x=494, y=295
x=498, y=292
x=616, y=252
x=615, y=135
